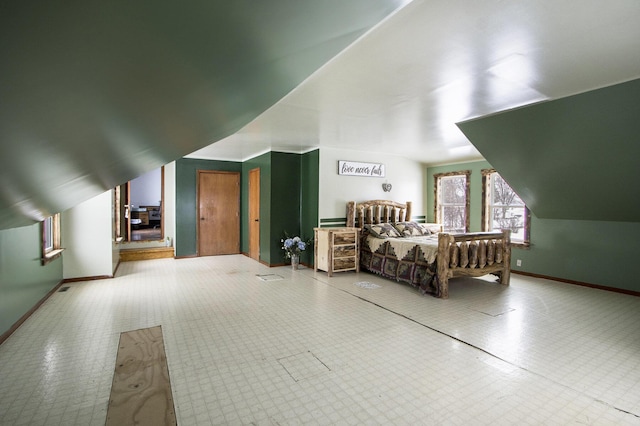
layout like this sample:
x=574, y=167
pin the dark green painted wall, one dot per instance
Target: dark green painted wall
x=186, y=200
x=286, y=205
x=593, y=252
x=570, y=158
x=263, y=162
x=310, y=198
x=288, y=201
x=475, y=216
x=23, y=279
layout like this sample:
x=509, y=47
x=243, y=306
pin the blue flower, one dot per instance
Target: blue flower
x=293, y=246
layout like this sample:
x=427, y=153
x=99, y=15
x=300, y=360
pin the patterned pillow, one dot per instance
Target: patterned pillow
x=410, y=229
x=430, y=228
x=382, y=230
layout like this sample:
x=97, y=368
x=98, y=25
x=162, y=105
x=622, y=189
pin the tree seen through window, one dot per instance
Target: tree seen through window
x=452, y=201
x=504, y=209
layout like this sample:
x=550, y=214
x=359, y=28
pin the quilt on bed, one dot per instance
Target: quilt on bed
x=408, y=259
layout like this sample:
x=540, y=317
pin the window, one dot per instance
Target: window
x=51, y=248
x=452, y=200
x=503, y=208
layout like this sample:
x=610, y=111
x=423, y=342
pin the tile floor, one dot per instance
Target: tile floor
x=306, y=349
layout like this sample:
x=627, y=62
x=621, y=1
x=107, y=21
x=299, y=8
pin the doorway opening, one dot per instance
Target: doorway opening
x=140, y=208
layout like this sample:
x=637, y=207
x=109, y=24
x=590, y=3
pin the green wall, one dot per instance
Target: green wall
x=593, y=252
x=573, y=158
x=263, y=162
x=286, y=205
x=310, y=198
x=186, y=200
x=475, y=215
x=23, y=279
x=288, y=201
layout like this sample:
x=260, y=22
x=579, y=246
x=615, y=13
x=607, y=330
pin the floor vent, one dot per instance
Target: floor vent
x=63, y=289
x=367, y=285
x=270, y=277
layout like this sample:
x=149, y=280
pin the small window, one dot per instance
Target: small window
x=504, y=209
x=48, y=234
x=51, y=248
x=452, y=201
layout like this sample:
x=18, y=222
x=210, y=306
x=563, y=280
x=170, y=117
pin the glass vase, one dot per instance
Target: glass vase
x=295, y=262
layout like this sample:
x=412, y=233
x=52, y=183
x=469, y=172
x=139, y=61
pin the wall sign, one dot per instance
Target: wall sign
x=353, y=168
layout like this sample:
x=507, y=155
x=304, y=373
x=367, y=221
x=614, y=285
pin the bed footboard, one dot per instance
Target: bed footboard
x=472, y=255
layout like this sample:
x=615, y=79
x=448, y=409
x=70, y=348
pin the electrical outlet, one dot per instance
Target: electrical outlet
x=518, y=262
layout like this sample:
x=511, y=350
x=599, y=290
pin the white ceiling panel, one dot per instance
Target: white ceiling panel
x=401, y=88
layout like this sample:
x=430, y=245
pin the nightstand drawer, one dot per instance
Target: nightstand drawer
x=343, y=264
x=344, y=251
x=344, y=238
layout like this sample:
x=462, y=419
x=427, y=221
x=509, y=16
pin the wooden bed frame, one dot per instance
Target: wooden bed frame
x=459, y=255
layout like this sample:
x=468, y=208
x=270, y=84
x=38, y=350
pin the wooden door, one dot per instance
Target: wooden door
x=218, y=213
x=254, y=214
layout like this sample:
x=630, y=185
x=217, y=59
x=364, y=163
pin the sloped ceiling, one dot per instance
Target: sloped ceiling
x=570, y=158
x=400, y=89
x=93, y=94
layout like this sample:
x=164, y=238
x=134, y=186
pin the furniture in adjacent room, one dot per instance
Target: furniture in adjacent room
x=142, y=215
x=336, y=250
x=155, y=215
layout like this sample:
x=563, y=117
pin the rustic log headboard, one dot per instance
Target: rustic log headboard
x=377, y=211
x=472, y=254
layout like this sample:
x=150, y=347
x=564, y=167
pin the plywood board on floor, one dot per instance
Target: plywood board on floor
x=141, y=390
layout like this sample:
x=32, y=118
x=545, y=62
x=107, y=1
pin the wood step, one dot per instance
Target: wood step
x=127, y=255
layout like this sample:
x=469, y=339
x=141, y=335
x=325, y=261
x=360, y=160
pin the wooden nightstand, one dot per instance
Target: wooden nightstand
x=336, y=250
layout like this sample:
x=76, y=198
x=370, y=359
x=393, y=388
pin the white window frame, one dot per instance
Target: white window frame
x=440, y=205
x=51, y=248
x=489, y=204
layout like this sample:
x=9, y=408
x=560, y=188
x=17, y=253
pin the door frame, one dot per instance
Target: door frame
x=122, y=211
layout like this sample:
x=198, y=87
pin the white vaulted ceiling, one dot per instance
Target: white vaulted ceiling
x=94, y=95
x=402, y=88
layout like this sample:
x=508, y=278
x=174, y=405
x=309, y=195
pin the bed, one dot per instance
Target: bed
x=422, y=255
